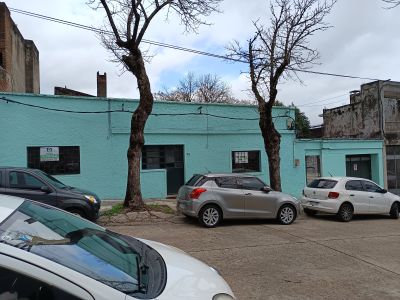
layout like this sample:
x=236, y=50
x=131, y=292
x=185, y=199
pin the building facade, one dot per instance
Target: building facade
x=19, y=58
x=88, y=150
x=373, y=112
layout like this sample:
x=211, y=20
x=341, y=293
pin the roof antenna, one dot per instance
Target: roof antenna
x=208, y=171
x=330, y=174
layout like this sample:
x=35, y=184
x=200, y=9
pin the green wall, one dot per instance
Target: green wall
x=208, y=140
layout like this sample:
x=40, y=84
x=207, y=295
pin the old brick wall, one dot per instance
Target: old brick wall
x=5, y=52
x=17, y=71
x=18, y=68
x=360, y=119
x=32, y=79
x=391, y=112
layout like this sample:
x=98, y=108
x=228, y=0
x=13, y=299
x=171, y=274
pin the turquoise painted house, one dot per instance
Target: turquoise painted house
x=83, y=142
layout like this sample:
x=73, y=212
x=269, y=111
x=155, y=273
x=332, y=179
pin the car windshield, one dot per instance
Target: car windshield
x=51, y=179
x=75, y=243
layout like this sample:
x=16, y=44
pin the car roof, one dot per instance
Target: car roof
x=8, y=204
x=16, y=168
x=212, y=175
x=343, y=178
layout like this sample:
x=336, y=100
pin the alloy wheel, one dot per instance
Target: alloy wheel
x=346, y=213
x=210, y=216
x=286, y=215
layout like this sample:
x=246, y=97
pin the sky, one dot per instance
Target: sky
x=363, y=41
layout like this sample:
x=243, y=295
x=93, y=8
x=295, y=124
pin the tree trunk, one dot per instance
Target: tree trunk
x=135, y=63
x=272, y=142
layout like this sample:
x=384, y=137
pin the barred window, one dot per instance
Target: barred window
x=246, y=161
x=55, y=160
x=313, y=167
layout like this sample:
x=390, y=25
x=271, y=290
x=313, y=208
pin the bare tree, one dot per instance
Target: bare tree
x=187, y=88
x=278, y=52
x=129, y=20
x=212, y=89
x=206, y=88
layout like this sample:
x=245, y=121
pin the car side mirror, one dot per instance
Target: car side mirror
x=383, y=191
x=266, y=189
x=45, y=189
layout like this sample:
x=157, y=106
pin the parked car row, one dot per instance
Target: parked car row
x=48, y=253
x=214, y=197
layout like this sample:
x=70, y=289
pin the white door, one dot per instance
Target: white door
x=358, y=197
x=378, y=203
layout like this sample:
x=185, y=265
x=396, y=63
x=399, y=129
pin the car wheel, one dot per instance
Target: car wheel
x=345, y=213
x=310, y=212
x=287, y=214
x=77, y=212
x=210, y=216
x=394, y=211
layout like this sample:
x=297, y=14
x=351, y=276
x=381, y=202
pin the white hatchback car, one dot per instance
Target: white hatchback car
x=49, y=254
x=346, y=196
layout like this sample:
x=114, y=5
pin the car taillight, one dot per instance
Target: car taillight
x=333, y=195
x=195, y=194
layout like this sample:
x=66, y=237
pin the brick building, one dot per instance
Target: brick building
x=373, y=113
x=19, y=58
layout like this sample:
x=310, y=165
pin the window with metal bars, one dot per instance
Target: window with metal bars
x=65, y=160
x=246, y=161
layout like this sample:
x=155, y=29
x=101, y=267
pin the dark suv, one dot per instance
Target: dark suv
x=37, y=185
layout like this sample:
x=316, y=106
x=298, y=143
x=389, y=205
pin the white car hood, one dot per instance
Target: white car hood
x=187, y=277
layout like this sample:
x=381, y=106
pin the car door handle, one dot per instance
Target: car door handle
x=352, y=195
x=248, y=194
x=371, y=196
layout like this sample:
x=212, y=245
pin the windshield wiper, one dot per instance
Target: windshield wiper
x=66, y=187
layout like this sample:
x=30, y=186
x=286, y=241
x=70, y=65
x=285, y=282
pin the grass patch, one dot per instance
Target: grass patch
x=119, y=209
x=161, y=208
x=115, y=210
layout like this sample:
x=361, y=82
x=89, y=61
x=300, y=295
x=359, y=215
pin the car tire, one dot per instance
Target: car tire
x=310, y=212
x=77, y=212
x=210, y=216
x=345, y=213
x=287, y=214
x=394, y=211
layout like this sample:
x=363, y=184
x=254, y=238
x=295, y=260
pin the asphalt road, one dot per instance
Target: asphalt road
x=314, y=258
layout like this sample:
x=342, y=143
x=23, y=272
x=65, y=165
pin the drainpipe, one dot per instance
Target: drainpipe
x=382, y=129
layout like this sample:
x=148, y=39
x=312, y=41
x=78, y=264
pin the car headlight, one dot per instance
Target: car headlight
x=92, y=199
x=223, y=297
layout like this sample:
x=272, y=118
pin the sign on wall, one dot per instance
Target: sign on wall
x=49, y=154
x=241, y=157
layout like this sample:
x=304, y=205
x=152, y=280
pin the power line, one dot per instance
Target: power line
x=160, y=44
x=323, y=100
x=100, y=31
x=122, y=110
x=323, y=104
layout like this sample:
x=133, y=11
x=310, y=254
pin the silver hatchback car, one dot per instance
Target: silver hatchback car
x=213, y=197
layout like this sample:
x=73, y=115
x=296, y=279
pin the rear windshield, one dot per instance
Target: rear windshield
x=192, y=181
x=322, y=184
